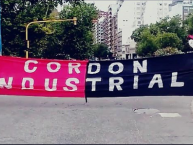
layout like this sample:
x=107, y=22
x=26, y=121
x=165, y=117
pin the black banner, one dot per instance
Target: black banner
x=159, y=76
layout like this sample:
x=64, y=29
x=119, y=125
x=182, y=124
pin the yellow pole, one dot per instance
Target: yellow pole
x=27, y=49
x=46, y=21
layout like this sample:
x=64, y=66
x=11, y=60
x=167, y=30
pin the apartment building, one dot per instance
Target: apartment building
x=99, y=36
x=156, y=11
x=123, y=18
x=117, y=33
x=105, y=29
x=129, y=17
x=139, y=10
x=95, y=33
x=112, y=9
x=99, y=31
x=181, y=7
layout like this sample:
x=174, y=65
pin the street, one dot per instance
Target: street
x=34, y=120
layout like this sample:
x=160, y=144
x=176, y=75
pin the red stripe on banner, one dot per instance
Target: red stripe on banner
x=42, y=77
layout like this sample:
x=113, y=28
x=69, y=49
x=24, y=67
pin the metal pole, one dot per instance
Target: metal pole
x=46, y=21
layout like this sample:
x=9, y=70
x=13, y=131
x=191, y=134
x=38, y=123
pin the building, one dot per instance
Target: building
x=102, y=14
x=129, y=17
x=123, y=18
x=181, y=8
x=99, y=36
x=156, y=11
x=117, y=33
x=105, y=29
x=187, y=9
x=112, y=9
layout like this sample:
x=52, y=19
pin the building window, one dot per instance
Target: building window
x=185, y=10
x=138, y=3
x=139, y=22
x=191, y=11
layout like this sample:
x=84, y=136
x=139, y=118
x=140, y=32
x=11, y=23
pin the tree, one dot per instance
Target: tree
x=148, y=44
x=169, y=32
x=169, y=40
x=15, y=15
x=151, y=43
x=189, y=22
x=154, y=29
x=74, y=41
x=136, y=35
x=101, y=51
x=174, y=25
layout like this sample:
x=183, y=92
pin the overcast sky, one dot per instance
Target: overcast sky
x=102, y=4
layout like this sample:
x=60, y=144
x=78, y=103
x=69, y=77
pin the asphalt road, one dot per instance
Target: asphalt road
x=108, y=120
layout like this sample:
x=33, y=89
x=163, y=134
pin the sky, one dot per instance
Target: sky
x=100, y=4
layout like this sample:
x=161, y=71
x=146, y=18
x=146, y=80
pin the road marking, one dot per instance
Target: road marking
x=170, y=115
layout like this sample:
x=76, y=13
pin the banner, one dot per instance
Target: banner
x=159, y=76
x=0, y=32
x=40, y=77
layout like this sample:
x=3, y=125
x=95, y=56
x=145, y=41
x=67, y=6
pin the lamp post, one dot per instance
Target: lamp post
x=46, y=21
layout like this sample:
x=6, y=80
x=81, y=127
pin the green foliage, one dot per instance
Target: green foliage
x=169, y=40
x=166, y=33
x=167, y=51
x=174, y=25
x=136, y=35
x=189, y=24
x=154, y=29
x=15, y=16
x=101, y=51
x=47, y=40
x=147, y=45
x=69, y=40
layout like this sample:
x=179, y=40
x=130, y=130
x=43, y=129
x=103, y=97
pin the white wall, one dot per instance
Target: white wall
x=125, y=14
x=155, y=11
x=126, y=18
x=176, y=10
x=129, y=16
x=114, y=9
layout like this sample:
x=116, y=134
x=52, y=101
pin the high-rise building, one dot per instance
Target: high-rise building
x=112, y=9
x=105, y=29
x=99, y=28
x=181, y=8
x=123, y=18
x=156, y=11
x=100, y=36
x=129, y=17
x=187, y=9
